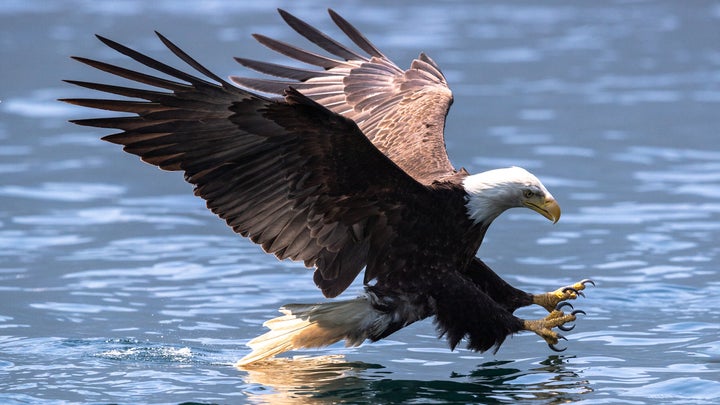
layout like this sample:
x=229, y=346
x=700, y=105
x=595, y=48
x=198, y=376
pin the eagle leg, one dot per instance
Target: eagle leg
x=556, y=318
x=551, y=300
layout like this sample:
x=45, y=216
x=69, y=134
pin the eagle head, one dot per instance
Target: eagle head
x=492, y=192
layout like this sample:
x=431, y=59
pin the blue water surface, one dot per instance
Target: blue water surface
x=118, y=286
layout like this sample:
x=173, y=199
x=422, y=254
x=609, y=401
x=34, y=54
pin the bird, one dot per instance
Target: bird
x=342, y=166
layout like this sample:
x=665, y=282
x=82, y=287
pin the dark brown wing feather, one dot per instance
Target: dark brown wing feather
x=294, y=177
x=402, y=112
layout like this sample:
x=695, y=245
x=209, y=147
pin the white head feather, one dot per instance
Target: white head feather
x=492, y=192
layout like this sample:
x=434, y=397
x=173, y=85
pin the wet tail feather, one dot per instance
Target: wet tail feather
x=317, y=325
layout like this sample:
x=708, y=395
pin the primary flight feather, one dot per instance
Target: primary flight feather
x=342, y=166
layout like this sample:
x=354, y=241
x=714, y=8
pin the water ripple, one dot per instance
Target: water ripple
x=67, y=192
x=683, y=389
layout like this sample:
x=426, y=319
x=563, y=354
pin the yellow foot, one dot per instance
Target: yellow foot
x=556, y=318
x=551, y=300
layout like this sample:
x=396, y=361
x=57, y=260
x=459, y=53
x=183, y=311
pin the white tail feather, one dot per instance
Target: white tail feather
x=315, y=325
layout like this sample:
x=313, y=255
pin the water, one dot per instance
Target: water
x=119, y=287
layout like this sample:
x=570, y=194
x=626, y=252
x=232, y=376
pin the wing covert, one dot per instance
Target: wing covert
x=401, y=111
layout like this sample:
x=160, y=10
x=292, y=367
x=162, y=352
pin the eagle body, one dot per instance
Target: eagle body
x=344, y=168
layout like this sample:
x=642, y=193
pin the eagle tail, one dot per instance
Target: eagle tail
x=317, y=325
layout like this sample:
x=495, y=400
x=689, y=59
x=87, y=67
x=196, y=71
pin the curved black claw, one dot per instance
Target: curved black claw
x=562, y=305
x=587, y=281
x=573, y=291
x=566, y=328
x=555, y=349
x=578, y=311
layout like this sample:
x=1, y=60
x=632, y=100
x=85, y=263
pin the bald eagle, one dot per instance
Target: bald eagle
x=344, y=168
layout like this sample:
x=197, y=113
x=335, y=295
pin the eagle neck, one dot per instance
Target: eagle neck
x=484, y=199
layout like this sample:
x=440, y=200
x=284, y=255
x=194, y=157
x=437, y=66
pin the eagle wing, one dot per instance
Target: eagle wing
x=401, y=112
x=294, y=177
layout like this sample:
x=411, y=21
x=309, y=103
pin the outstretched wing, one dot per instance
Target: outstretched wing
x=298, y=179
x=402, y=112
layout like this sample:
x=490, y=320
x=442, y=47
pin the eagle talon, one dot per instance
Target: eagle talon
x=557, y=318
x=578, y=311
x=551, y=300
x=555, y=349
x=572, y=291
x=566, y=328
x=552, y=346
x=587, y=281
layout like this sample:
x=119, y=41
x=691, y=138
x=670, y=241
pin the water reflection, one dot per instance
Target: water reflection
x=304, y=380
x=331, y=379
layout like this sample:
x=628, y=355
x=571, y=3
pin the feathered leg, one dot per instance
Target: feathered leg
x=464, y=311
x=512, y=298
x=499, y=290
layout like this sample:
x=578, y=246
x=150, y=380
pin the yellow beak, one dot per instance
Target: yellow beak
x=549, y=209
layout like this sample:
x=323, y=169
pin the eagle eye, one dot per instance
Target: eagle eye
x=528, y=194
